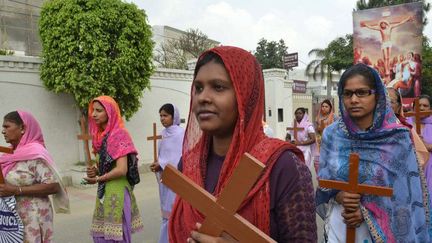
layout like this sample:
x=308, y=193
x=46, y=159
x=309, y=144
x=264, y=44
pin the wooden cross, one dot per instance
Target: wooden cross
x=155, y=137
x=295, y=129
x=418, y=115
x=321, y=127
x=220, y=213
x=353, y=187
x=85, y=137
x=390, y=20
x=6, y=150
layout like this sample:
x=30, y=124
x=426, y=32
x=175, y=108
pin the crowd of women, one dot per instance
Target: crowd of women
x=225, y=121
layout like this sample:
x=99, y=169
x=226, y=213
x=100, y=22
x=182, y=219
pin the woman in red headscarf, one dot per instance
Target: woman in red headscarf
x=116, y=215
x=225, y=121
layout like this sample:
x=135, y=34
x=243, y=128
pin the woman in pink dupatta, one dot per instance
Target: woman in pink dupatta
x=116, y=214
x=31, y=176
x=306, y=137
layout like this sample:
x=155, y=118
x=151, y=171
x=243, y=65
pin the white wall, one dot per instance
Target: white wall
x=21, y=88
x=278, y=96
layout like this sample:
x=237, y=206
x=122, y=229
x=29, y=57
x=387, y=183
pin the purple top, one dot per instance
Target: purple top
x=292, y=200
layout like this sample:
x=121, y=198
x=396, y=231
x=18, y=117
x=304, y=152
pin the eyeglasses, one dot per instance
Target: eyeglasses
x=358, y=92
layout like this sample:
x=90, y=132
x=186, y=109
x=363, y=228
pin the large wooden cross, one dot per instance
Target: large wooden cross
x=418, y=115
x=220, y=213
x=85, y=137
x=295, y=129
x=353, y=187
x=6, y=150
x=155, y=137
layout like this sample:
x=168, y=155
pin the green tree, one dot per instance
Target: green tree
x=337, y=56
x=270, y=53
x=96, y=47
x=426, y=67
x=364, y=4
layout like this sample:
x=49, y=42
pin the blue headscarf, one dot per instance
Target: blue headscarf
x=387, y=158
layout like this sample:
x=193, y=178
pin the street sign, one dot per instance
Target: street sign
x=290, y=60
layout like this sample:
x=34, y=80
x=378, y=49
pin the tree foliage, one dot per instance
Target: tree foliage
x=270, y=53
x=96, y=47
x=168, y=55
x=426, y=67
x=337, y=56
x=368, y=4
x=175, y=53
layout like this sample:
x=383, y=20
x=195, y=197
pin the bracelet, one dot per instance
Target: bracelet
x=20, y=191
x=97, y=178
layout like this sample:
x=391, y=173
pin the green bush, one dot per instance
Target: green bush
x=96, y=47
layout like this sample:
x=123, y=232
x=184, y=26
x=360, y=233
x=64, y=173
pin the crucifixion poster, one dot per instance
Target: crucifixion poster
x=389, y=39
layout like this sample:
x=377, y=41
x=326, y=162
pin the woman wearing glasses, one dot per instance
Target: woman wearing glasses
x=369, y=127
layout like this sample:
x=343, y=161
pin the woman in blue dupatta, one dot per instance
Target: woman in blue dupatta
x=369, y=127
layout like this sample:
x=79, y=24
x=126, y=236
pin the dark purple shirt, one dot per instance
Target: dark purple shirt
x=292, y=200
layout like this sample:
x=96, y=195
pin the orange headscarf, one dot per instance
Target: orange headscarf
x=323, y=120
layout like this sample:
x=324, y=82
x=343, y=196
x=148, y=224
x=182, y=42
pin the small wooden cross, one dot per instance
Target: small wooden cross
x=85, y=137
x=353, y=187
x=321, y=127
x=6, y=150
x=220, y=213
x=418, y=115
x=295, y=129
x=155, y=137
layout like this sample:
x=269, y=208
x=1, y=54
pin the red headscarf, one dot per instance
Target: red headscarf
x=119, y=141
x=246, y=76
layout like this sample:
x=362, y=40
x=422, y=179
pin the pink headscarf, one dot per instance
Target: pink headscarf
x=304, y=123
x=30, y=147
x=119, y=141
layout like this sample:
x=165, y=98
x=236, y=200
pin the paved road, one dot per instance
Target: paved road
x=74, y=227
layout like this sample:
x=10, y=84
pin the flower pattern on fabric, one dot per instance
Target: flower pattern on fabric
x=35, y=212
x=108, y=214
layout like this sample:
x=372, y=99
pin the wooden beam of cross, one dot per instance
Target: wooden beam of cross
x=6, y=150
x=353, y=187
x=418, y=115
x=321, y=127
x=390, y=20
x=85, y=137
x=221, y=213
x=155, y=137
x=295, y=129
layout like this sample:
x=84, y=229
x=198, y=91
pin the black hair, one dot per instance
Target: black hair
x=208, y=57
x=300, y=109
x=398, y=99
x=14, y=117
x=168, y=108
x=328, y=103
x=425, y=96
x=358, y=69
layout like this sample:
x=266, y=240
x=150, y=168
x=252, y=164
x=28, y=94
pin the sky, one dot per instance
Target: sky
x=303, y=25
